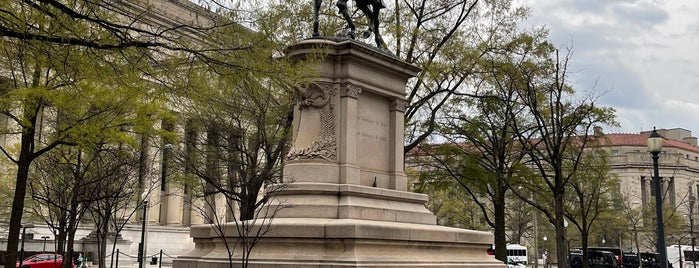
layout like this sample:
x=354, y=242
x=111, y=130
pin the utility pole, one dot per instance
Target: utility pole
x=692, y=199
x=142, y=246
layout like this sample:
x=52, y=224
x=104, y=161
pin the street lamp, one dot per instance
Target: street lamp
x=141, y=246
x=21, y=250
x=44, y=238
x=655, y=145
x=546, y=253
x=692, y=199
x=604, y=241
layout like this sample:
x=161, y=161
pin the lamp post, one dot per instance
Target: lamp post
x=546, y=253
x=655, y=145
x=692, y=199
x=21, y=250
x=44, y=238
x=141, y=246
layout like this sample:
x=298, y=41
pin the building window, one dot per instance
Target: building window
x=615, y=152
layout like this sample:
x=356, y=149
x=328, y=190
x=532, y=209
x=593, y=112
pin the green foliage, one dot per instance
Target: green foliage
x=451, y=204
x=592, y=199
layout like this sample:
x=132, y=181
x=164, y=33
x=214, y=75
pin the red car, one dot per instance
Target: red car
x=45, y=260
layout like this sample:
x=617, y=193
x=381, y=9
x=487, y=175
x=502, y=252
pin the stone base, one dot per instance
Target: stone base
x=308, y=242
x=349, y=201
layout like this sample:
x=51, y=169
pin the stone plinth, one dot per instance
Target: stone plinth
x=347, y=204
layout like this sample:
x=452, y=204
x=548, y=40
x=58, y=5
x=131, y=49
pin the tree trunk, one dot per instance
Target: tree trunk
x=71, y=229
x=62, y=234
x=102, y=234
x=561, y=254
x=500, y=239
x=11, y=256
x=586, y=261
x=25, y=160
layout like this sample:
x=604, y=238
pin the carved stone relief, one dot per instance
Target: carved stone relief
x=318, y=97
x=349, y=90
x=397, y=105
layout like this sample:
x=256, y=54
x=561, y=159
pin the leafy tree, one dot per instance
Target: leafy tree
x=449, y=202
x=72, y=180
x=591, y=194
x=675, y=224
x=239, y=128
x=634, y=221
x=105, y=54
x=557, y=135
x=518, y=220
x=119, y=191
x=47, y=79
x=487, y=129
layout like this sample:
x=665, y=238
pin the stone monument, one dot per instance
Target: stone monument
x=348, y=204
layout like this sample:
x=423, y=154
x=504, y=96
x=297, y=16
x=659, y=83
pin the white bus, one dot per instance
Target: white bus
x=517, y=253
x=683, y=256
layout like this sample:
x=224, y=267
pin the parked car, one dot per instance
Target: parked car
x=651, y=260
x=630, y=260
x=596, y=259
x=44, y=260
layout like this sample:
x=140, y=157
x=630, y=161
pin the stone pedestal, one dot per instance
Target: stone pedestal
x=347, y=204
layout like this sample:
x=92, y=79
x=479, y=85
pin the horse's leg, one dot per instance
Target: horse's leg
x=377, y=34
x=316, y=10
x=370, y=15
x=342, y=6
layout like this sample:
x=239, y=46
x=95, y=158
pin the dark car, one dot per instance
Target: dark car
x=650, y=260
x=596, y=259
x=45, y=260
x=630, y=260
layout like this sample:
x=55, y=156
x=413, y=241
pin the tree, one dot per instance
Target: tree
x=591, y=194
x=119, y=191
x=105, y=54
x=448, y=201
x=231, y=155
x=518, y=220
x=40, y=102
x=238, y=130
x=557, y=135
x=486, y=133
x=442, y=39
x=73, y=179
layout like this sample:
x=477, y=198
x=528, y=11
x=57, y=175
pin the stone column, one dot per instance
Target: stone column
x=349, y=171
x=397, y=180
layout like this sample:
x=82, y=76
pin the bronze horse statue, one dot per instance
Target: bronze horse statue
x=371, y=13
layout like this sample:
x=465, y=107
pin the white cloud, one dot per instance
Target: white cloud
x=642, y=51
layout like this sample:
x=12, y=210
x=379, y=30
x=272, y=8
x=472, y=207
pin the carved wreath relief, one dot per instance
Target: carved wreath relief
x=317, y=97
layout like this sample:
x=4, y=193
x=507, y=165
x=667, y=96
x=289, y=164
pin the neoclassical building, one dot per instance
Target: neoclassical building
x=678, y=165
x=631, y=162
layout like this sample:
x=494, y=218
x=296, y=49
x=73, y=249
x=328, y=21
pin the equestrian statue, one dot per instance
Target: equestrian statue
x=371, y=13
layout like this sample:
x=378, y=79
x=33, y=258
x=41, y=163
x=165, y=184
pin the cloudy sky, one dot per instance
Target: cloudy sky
x=642, y=54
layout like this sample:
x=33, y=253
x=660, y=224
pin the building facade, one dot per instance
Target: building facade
x=170, y=212
x=631, y=162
